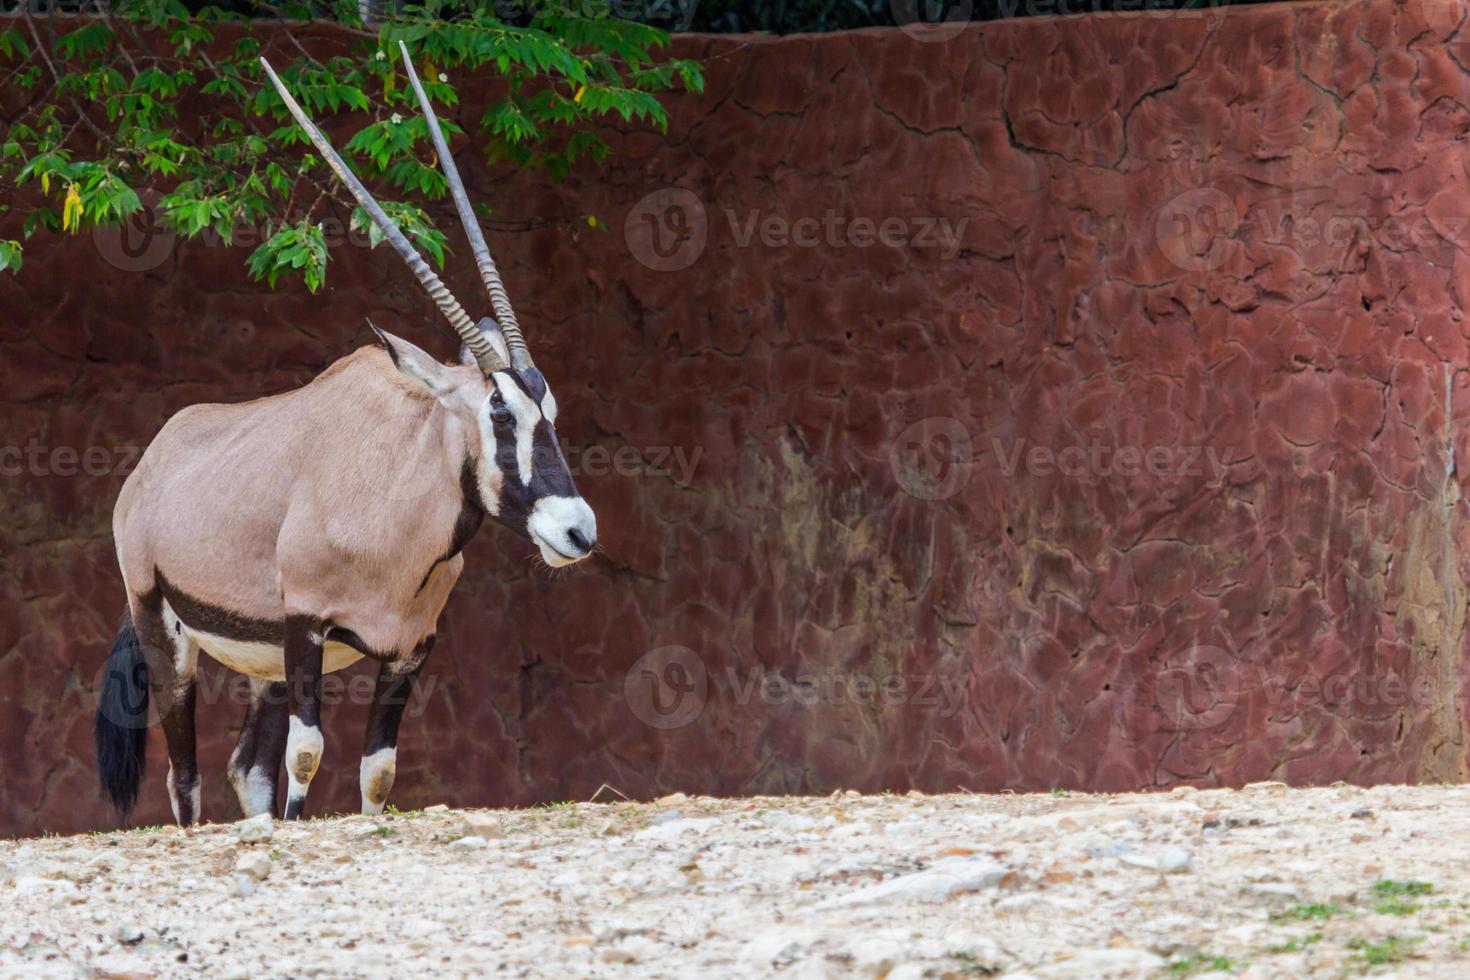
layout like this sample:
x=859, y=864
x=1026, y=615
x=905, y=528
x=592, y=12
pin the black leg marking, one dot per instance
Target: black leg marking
x=183, y=768
x=380, y=747
x=303, y=692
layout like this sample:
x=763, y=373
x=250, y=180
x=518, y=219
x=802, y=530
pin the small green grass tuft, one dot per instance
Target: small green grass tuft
x=1401, y=889
x=967, y=964
x=1296, y=945
x=1395, y=906
x=1306, y=912
x=1201, y=962
x=1389, y=950
x=382, y=830
x=393, y=811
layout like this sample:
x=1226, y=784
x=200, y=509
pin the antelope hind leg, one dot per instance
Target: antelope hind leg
x=172, y=661
x=255, y=764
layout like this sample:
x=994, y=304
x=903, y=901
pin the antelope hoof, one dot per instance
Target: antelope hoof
x=377, y=775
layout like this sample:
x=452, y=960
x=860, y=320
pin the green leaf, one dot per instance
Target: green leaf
x=13, y=46
x=10, y=256
x=300, y=247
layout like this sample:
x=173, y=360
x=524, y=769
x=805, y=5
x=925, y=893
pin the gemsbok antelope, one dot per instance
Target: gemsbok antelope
x=272, y=536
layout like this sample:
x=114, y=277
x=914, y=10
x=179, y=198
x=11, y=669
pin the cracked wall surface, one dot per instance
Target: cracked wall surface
x=1143, y=473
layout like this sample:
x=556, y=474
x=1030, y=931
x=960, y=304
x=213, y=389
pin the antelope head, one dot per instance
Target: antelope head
x=520, y=475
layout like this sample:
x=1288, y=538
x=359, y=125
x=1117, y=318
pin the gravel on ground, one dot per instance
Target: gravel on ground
x=1264, y=881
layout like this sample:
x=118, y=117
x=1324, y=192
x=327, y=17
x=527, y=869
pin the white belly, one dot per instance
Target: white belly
x=265, y=660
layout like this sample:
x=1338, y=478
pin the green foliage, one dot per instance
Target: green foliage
x=10, y=256
x=153, y=96
x=301, y=247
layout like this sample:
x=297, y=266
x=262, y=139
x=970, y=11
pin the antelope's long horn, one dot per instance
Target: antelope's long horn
x=485, y=354
x=520, y=356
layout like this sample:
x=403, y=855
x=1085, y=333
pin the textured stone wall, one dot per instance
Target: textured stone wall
x=1062, y=402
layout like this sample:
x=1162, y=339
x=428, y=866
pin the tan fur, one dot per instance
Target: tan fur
x=272, y=507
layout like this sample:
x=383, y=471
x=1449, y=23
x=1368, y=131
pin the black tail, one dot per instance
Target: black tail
x=121, y=734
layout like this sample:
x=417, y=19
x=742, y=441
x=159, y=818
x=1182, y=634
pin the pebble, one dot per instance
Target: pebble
x=1169, y=859
x=254, y=865
x=482, y=825
x=255, y=830
x=673, y=828
x=935, y=884
x=1094, y=963
x=470, y=844
x=1270, y=786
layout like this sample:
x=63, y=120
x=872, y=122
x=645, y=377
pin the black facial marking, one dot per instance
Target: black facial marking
x=533, y=383
x=550, y=476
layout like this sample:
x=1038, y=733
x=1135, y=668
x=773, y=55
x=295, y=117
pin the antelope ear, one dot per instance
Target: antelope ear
x=492, y=333
x=415, y=364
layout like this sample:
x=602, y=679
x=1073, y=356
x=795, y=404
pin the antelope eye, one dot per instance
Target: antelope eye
x=498, y=412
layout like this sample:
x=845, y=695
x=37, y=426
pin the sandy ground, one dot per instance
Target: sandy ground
x=1261, y=882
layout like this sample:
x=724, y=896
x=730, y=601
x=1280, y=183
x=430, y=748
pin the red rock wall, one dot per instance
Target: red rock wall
x=1143, y=476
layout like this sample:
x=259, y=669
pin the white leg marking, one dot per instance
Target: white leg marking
x=376, y=778
x=253, y=788
x=255, y=791
x=186, y=651
x=173, y=799
x=304, y=745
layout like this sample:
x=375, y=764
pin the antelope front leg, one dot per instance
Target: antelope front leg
x=304, y=741
x=380, y=748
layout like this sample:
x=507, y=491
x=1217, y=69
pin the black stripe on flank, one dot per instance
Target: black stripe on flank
x=219, y=621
